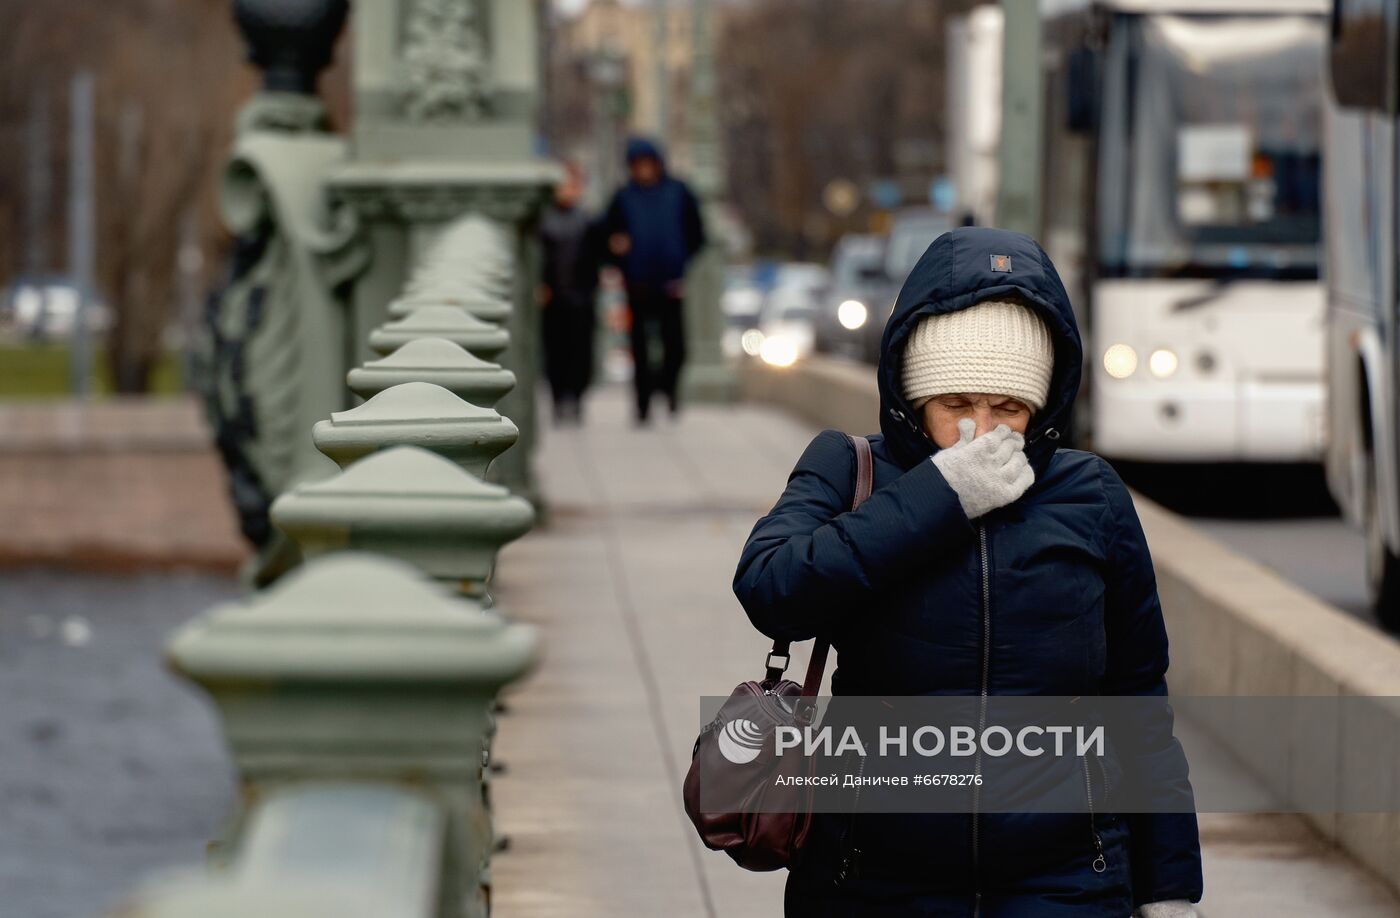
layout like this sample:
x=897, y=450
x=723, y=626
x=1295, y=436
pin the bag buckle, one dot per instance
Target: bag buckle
x=774, y=670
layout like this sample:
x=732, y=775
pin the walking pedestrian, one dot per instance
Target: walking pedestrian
x=653, y=229
x=572, y=256
x=989, y=560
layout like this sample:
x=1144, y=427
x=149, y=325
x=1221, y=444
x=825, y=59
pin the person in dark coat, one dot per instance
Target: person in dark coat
x=990, y=560
x=572, y=256
x=654, y=228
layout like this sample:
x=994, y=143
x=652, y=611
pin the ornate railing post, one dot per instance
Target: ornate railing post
x=404, y=500
x=482, y=286
x=418, y=414
x=445, y=99
x=408, y=503
x=355, y=699
x=434, y=360
x=457, y=325
x=277, y=330
x=356, y=695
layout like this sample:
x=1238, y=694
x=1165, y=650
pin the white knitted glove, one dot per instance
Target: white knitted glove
x=987, y=472
x=1171, y=908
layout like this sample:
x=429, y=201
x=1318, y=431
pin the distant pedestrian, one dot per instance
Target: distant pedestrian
x=572, y=257
x=654, y=228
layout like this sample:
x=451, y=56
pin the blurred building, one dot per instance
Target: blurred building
x=833, y=115
x=812, y=98
x=610, y=62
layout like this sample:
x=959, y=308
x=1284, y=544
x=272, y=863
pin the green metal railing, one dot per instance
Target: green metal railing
x=357, y=693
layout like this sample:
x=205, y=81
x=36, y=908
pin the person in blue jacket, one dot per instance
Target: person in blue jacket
x=654, y=228
x=989, y=560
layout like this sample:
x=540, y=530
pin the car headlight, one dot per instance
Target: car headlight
x=751, y=341
x=852, y=314
x=1120, y=361
x=778, y=351
x=1162, y=363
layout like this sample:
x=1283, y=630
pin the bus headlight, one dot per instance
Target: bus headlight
x=778, y=351
x=1120, y=361
x=1162, y=363
x=852, y=314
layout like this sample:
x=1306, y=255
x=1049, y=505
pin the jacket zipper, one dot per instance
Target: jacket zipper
x=1106, y=798
x=981, y=716
x=850, y=860
x=1100, y=863
x=1050, y=432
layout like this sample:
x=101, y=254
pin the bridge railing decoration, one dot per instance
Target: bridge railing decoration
x=358, y=688
x=357, y=692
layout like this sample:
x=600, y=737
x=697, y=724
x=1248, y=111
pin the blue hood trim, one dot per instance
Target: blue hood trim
x=960, y=268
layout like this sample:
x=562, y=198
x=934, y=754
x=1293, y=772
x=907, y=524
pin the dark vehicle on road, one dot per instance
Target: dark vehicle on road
x=858, y=284
x=911, y=232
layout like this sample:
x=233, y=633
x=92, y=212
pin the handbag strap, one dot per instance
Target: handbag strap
x=816, y=666
x=865, y=471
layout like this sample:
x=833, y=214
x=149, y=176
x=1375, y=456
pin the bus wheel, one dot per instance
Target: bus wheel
x=1382, y=566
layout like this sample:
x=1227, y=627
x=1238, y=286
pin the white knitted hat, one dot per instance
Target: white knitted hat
x=996, y=346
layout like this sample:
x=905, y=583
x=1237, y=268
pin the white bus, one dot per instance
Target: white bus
x=1362, y=458
x=1180, y=198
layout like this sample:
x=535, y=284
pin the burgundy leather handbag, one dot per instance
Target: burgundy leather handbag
x=774, y=817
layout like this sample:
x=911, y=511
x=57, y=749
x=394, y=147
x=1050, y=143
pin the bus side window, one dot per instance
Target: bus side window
x=1358, y=59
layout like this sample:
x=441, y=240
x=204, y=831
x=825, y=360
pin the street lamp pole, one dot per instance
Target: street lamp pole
x=606, y=72
x=81, y=234
x=706, y=168
x=709, y=376
x=663, y=79
x=1018, y=191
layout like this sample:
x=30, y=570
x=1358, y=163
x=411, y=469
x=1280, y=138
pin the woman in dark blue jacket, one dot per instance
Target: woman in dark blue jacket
x=989, y=560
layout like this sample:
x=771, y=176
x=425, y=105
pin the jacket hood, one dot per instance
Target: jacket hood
x=959, y=269
x=641, y=147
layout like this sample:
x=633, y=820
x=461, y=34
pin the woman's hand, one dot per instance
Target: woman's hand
x=1173, y=908
x=987, y=472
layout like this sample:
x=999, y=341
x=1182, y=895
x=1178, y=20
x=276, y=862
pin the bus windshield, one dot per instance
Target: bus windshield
x=1209, y=157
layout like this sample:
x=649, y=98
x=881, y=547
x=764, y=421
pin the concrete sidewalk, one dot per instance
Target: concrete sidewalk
x=630, y=585
x=629, y=582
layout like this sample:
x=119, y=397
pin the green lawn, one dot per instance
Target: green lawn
x=41, y=371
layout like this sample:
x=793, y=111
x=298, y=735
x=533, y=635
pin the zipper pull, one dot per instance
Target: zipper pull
x=1050, y=432
x=1100, y=862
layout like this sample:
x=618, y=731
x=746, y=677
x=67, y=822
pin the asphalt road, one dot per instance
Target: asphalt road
x=1281, y=516
x=110, y=768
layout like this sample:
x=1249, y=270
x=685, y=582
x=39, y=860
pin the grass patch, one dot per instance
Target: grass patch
x=41, y=371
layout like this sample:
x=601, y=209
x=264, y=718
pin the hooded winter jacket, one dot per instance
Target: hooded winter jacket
x=1053, y=594
x=663, y=222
